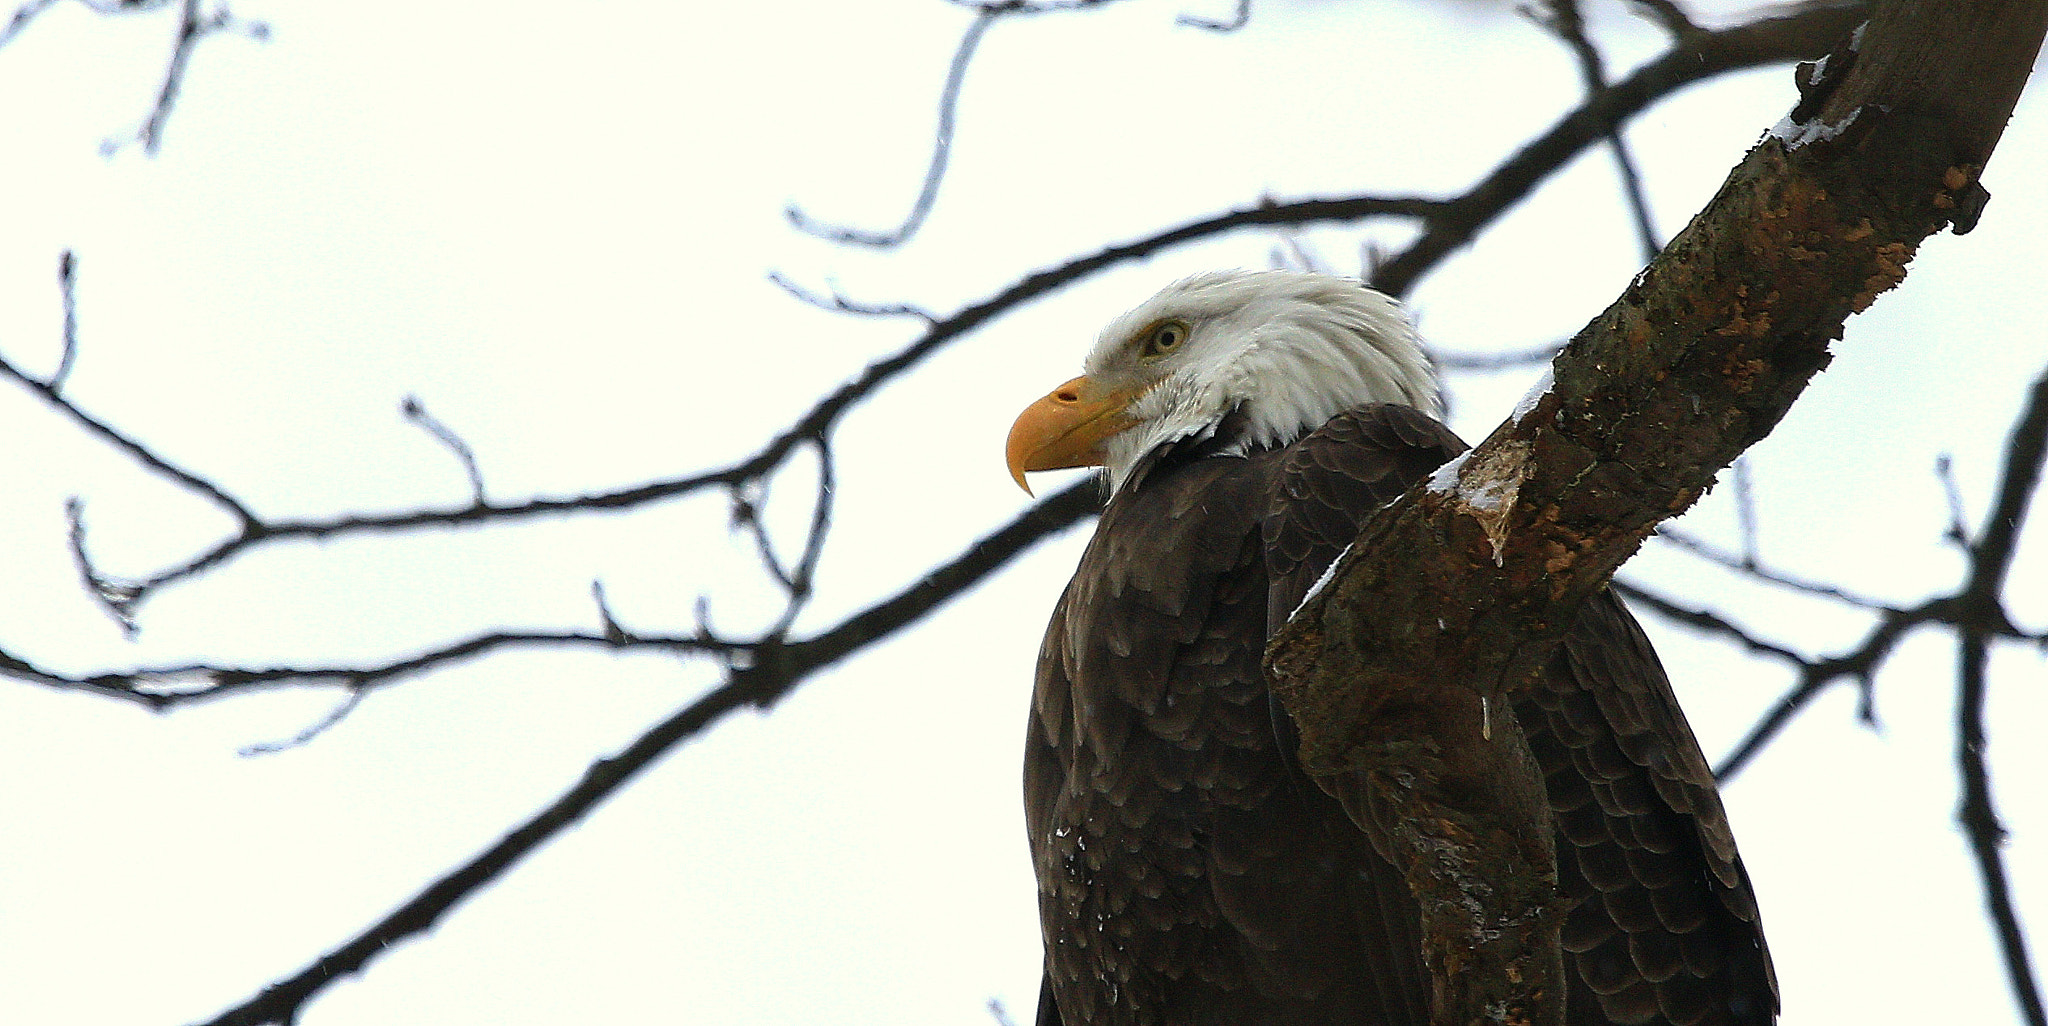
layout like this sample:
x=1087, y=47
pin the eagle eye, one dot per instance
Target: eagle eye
x=1163, y=338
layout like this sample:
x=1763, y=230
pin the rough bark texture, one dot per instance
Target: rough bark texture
x=1456, y=592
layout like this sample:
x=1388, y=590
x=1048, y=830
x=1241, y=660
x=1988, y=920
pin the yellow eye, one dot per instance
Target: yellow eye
x=1164, y=338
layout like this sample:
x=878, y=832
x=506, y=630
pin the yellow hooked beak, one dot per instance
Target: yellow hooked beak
x=1067, y=428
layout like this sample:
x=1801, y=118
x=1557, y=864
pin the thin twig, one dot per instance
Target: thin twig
x=1745, y=514
x=802, y=577
x=304, y=737
x=935, y=172
x=166, y=687
x=1945, y=471
x=838, y=303
x=416, y=412
x=985, y=15
x=613, y=632
x=1566, y=22
x=1979, y=818
x=1708, y=622
x=1858, y=663
x=192, y=28
x=116, y=598
x=24, y=14
x=67, y=288
x=1744, y=565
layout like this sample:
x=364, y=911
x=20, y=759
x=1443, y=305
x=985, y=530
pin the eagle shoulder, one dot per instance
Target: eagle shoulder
x=1664, y=925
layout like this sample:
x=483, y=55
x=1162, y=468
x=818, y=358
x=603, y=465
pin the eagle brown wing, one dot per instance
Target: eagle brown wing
x=1187, y=876
x=1664, y=928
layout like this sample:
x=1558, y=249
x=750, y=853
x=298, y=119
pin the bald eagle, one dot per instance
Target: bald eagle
x=1189, y=873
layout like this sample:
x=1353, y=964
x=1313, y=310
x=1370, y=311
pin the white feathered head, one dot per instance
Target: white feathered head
x=1277, y=352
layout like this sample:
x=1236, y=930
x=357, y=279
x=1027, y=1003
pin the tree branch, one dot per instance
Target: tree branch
x=1803, y=32
x=773, y=672
x=1698, y=359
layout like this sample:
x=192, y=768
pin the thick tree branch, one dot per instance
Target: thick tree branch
x=1697, y=360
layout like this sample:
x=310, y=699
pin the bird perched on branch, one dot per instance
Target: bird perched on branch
x=1247, y=424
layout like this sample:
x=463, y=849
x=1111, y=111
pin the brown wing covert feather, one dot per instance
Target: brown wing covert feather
x=1189, y=876
x=1186, y=875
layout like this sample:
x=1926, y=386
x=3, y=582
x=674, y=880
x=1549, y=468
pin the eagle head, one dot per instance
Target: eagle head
x=1280, y=352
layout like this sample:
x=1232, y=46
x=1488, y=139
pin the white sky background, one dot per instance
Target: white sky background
x=552, y=225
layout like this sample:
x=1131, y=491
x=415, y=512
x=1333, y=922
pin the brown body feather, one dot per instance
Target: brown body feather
x=1190, y=875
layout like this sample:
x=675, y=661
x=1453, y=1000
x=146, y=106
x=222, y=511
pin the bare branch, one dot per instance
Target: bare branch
x=1858, y=663
x=1991, y=556
x=28, y=11
x=1745, y=513
x=942, y=147
x=816, y=423
x=193, y=25
x=760, y=682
